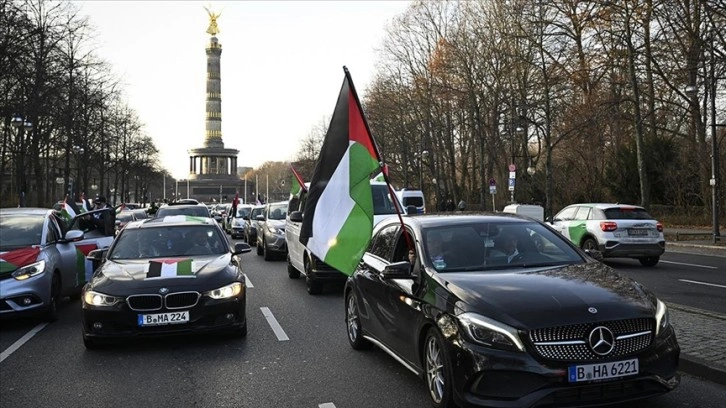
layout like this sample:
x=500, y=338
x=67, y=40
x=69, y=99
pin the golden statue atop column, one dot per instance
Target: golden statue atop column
x=213, y=28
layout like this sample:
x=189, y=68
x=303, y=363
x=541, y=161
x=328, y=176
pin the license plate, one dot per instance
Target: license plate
x=602, y=371
x=161, y=319
x=638, y=232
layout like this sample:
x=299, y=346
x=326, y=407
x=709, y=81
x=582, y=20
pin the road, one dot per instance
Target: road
x=295, y=355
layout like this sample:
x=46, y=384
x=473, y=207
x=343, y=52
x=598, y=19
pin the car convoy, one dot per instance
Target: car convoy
x=566, y=328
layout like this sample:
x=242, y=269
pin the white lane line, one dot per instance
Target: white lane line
x=326, y=405
x=248, y=283
x=15, y=346
x=281, y=336
x=687, y=264
x=703, y=283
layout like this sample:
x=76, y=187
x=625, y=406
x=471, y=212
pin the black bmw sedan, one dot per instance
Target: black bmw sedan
x=161, y=276
x=502, y=311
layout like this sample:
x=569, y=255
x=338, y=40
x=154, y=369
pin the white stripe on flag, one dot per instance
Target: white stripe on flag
x=334, y=207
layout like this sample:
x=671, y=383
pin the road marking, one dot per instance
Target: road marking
x=281, y=336
x=15, y=346
x=687, y=264
x=326, y=405
x=703, y=283
x=248, y=283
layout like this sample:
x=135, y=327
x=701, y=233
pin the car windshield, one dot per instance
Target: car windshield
x=382, y=203
x=193, y=210
x=124, y=216
x=278, y=211
x=627, y=213
x=495, y=246
x=20, y=230
x=256, y=212
x=167, y=241
x=243, y=212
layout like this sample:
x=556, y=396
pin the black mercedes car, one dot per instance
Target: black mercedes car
x=169, y=275
x=501, y=311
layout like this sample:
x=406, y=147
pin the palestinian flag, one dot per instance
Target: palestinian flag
x=339, y=210
x=84, y=267
x=17, y=258
x=120, y=208
x=170, y=268
x=68, y=212
x=84, y=204
x=297, y=185
x=183, y=218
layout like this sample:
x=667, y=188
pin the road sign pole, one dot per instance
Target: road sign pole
x=494, y=208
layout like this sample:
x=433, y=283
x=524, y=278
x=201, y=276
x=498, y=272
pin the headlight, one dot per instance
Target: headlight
x=272, y=229
x=225, y=292
x=27, y=271
x=99, y=299
x=662, y=320
x=490, y=333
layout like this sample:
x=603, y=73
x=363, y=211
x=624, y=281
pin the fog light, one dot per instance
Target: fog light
x=97, y=325
x=27, y=301
x=230, y=316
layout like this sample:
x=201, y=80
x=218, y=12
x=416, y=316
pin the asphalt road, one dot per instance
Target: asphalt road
x=295, y=355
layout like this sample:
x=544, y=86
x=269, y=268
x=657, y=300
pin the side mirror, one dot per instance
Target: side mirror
x=296, y=216
x=241, y=248
x=97, y=255
x=397, y=270
x=73, y=236
x=595, y=254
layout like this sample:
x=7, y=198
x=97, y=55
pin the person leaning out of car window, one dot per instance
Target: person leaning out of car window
x=103, y=221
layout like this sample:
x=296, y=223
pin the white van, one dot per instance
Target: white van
x=301, y=262
x=527, y=210
x=412, y=197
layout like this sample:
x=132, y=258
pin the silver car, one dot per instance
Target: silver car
x=42, y=260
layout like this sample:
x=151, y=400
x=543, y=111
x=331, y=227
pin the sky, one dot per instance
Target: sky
x=281, y=67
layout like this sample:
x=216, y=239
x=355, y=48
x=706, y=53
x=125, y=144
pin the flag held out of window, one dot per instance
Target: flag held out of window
x=339, y=209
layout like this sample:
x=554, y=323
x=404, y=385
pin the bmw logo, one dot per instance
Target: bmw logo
x=592, y=310
x=163, y=291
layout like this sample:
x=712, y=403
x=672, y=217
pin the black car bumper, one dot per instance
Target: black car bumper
x=122, y=322
x=490, y=378
x=614, y=249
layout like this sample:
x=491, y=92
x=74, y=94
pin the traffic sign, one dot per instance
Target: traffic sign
x=492, y=189
x=511, y=184
x=512, y=167
x=492, y=182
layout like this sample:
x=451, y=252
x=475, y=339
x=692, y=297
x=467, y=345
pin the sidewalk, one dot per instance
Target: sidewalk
x=703, y=352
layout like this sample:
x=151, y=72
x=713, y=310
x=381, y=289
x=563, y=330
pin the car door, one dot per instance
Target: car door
x=67, y=258
x=92, y=239
x=562, y=220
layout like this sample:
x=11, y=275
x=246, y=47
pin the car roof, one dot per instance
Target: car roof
x=25, y=210
x=171, y=220
x=438, y=220
x=604, y=206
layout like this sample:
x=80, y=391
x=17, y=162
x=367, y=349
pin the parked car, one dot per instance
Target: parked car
x=236, y=224
x=271, y=230
x=488, y=318
x=616, y=230
x=123, y=218
x=194, y=210
x=165, y=276
x=41, y=260
x=253, y=226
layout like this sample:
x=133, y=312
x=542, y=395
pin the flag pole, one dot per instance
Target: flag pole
x=382, y=165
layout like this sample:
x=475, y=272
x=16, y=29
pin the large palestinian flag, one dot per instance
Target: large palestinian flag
x=170, y=268
x=17, y=258
x=339, y=209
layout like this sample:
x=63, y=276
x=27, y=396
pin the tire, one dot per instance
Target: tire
x=437, y=370
x=259, y=250
x=353, y=324
x=51, y=313
x=589, y=244
x=292, y=273
x=649, y=261
x=314, y=286
x=267, y=255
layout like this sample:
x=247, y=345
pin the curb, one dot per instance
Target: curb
x=703, y=246
x=701, y=368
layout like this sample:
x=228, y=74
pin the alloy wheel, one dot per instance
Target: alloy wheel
x=435, y=370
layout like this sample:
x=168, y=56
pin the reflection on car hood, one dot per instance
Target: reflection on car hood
x=135, y=274
x=276, y=223
x=552, y=296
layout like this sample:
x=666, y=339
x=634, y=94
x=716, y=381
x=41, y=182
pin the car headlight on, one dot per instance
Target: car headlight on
x=99, y=299
x=225, y=292
x=490, y=333
x=28, y=271
x=662, y=319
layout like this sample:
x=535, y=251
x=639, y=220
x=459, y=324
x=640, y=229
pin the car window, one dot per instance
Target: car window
x=196, y=211
x=582, y=213
x=243, y=212
x=382, y=243
x=382, y=203
x=51, y=232
x=627, y=213
x=256, y=212
x=20, y=230
x=566, y=214
x=277, y=211
x=176, y=241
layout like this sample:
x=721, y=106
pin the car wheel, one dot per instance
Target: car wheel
x=55, y=297
x=314, y=286
x=589, y=244
x=266, y=252
x=259, y=249
x=352, y=319
x=292, y=273
x=437, y=370
x=649, y=260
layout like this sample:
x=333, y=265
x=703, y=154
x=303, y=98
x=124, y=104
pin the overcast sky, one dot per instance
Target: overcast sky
x=281, y=67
